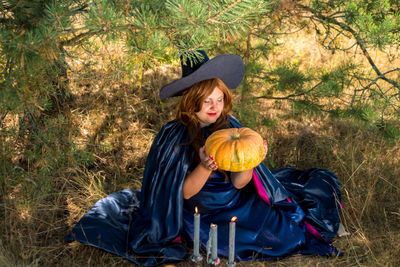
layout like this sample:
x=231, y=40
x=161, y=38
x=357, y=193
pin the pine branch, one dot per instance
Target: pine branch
x=78, y=38
x=358, y=39
x=288, y=97
x=215, y=21
x=81, y=8
x=186, y=15
x=376, y=79
x=226, y=9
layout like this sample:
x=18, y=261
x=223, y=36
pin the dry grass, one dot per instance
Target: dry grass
x=117, y=117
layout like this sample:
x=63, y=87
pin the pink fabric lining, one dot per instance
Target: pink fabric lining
x=177, y=239
x=263, y=194
x=260, y=188
x=313, y=231
x=310, y=228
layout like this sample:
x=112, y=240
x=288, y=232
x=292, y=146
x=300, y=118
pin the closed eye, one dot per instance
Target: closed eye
x=208, y=101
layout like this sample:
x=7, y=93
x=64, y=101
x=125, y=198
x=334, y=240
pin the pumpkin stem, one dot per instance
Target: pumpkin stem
x=236, y=136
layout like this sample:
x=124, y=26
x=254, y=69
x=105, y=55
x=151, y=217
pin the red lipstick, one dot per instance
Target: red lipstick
x=211, y=114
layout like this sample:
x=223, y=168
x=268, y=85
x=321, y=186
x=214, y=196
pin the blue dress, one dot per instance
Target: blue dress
x=262, y=231
x=280, y=213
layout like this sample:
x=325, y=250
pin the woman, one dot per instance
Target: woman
x=280, y=214
x=206, y=103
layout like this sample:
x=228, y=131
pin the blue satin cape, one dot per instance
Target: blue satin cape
x=284, y=212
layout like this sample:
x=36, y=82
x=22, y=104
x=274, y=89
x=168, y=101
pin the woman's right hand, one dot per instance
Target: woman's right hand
x=207, y=161
x=196, y=179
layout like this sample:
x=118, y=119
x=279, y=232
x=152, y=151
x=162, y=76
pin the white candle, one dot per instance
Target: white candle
x=212, y=246
x=214, y=242
x=232, y=232
x=196, y=237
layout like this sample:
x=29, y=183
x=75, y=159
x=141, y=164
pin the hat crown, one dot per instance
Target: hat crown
x=190, y=65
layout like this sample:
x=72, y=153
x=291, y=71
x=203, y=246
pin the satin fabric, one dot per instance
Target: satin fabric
x=142, y=226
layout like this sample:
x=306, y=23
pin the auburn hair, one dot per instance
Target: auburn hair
x=192, y=101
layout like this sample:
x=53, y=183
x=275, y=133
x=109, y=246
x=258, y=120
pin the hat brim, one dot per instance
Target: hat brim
x=228, y=68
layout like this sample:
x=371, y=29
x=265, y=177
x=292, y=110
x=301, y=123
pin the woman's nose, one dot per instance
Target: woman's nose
x=213, y=105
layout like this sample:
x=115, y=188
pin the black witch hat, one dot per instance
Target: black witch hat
x=228, y=68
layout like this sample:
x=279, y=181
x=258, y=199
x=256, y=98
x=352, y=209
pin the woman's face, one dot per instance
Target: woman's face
x=211, y=108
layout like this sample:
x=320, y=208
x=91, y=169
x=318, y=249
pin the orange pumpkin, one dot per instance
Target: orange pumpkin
x=235, y=149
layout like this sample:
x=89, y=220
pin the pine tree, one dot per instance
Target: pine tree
x=37, y=37
x=370, y=25
x=34, y=35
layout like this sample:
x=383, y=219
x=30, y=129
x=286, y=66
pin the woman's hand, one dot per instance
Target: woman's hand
x=265, y=149
x=196, y=179
x=208, y=162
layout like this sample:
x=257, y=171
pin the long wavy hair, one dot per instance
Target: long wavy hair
x=192, y=101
